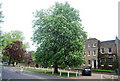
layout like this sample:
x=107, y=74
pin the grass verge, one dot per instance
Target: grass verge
x=8, y=65
x=49, y=72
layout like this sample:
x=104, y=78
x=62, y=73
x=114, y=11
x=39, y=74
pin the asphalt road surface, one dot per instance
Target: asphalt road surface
x=9, y=73
x=0, y=71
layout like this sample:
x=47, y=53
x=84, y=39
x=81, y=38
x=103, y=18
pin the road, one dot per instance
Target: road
x=0, y=71
x=9, y=73
x=13, y=73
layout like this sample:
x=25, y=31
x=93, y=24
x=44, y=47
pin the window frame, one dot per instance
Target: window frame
x=109, y=51
x=88, y=45
x=84, y=53
x=89, y=62
x=94, y=53
x=102, y=50
x=89, y=53
x=95, y=45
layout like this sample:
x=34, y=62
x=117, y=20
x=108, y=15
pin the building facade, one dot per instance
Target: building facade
x=91, y=53
x=107, y=55
x=101, y=54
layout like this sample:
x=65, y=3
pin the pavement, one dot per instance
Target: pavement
x=96, y=76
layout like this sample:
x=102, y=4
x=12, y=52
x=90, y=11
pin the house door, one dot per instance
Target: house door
x=94, y=63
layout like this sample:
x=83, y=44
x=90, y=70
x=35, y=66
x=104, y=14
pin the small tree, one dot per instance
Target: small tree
x=59, y=36
x=9, y=38
x=15, y=52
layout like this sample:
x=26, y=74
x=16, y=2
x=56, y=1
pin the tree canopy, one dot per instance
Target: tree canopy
x=1, y=15
x=15, y=51
x=8, y=38
x=1, y=33
x=59, y=36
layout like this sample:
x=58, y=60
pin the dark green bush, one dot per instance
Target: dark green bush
x=98, y=70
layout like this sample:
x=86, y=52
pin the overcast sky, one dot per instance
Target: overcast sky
x=99, y=17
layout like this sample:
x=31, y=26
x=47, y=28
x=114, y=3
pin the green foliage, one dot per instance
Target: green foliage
x=1, y=38
x=8, y=38
x=59, y=36
x=8, y=65
x=1, y=15
x=77, y=68
x=32, y=53
x=49, y=72
x=97, y=70
x=108, y=71
x=14, y=52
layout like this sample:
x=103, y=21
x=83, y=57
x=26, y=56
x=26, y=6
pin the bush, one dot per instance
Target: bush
x=99, y=70
x=77, y=69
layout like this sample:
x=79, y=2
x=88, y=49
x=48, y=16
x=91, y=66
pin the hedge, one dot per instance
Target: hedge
x=97, y=70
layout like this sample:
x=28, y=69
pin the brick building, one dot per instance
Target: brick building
x=101, y=54
x=91, y=53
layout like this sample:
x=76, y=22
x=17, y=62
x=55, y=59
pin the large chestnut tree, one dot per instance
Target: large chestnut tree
x=59, y=35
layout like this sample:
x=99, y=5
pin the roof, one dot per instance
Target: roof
x=109, y=41
x=91, y=39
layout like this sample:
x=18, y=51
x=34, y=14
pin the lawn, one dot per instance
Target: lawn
x=50, y=72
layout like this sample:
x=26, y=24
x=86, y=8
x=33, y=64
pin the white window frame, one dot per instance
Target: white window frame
x=102, y=52
x=84, y=46
x=102, y=65
x=109, y=52
x=89, y=53
x=94, y=53
x=88, y=62
x=95, y=45
x=88, y=45
x=110, y=65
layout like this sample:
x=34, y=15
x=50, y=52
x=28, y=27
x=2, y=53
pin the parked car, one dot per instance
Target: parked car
x=86, y=71
x=5, y=62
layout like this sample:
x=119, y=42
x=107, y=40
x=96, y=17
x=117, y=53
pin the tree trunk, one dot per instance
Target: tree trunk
x=13, y=63
x=56, y=68
x=9, y=60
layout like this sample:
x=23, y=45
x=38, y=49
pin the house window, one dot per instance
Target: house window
x=88, y=45
x=85, y=53
x=110, y=61
x=94, y=53
x=88, y=53
x=88, y=61
x=84, y=46
x=102, y=50
x=94, y=45
x=109, y=51
x=102, y=60
x=84, y=62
